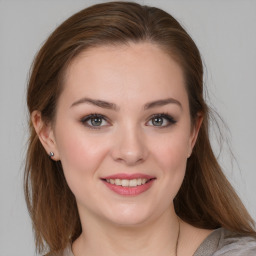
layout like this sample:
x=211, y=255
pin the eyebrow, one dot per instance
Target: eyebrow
x=98, y=103
x=113, y=106
x=159, y=103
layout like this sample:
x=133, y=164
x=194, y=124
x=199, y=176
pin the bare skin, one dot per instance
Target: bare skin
x=125, y=110
x=191, y=238
x=137, y=242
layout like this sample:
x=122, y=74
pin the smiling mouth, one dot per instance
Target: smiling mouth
x=128, y=183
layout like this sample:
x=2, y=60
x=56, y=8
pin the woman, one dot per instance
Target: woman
x=119, y=153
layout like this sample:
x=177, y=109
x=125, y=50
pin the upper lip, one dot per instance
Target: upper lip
x=128, y=176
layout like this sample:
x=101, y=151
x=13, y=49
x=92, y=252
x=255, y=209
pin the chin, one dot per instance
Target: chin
x=129, y=222
x=130, y=216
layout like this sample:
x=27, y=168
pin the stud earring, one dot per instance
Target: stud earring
x=51, y=154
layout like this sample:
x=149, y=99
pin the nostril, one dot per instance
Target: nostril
x=129, y=148
x=129, y=158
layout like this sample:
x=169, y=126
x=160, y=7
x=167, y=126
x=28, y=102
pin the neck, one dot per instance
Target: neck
x=158, y=237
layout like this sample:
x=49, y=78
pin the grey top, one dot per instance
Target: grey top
x=220, y=242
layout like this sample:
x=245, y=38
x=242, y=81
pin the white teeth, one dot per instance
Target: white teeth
x=133, y=183
x=143, y=181
x=127, y=183
x=118, y=182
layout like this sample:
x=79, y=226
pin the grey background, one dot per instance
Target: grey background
x=225, y=33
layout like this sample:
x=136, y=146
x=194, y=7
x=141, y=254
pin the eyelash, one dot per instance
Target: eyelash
x=85, y=119
x=165, y=116
x=170, y=119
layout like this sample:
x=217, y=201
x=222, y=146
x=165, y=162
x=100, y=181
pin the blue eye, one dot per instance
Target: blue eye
x=161, y=120
x=94, y=121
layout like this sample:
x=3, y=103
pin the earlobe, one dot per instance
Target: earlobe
x=45, y=134
x=194, y=132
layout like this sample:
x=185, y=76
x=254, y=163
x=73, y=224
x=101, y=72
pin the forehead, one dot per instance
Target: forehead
x=124, y=71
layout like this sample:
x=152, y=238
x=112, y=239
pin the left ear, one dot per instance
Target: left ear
x=194, y=132
x=45, y=134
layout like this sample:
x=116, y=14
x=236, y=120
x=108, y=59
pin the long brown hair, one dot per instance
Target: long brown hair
x=206, y=199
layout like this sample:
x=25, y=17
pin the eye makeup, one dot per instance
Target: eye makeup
x=98, y=121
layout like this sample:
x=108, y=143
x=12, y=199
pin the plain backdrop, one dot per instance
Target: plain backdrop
x=225, y=33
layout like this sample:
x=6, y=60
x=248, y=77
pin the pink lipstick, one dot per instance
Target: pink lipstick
x=129, y=184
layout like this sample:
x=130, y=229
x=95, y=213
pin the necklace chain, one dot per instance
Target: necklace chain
x=177, y=242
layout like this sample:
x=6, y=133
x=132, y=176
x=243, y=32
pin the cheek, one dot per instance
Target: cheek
x=171, y=153
x=80, y=156
x=170, y=156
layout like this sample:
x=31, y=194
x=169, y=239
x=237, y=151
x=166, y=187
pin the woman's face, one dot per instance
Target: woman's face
x=123, y=132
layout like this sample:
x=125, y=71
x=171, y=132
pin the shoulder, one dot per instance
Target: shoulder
x=231, y=243
x=223, y=242
x=68, y=251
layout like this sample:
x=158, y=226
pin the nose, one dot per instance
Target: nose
x=129, y=146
